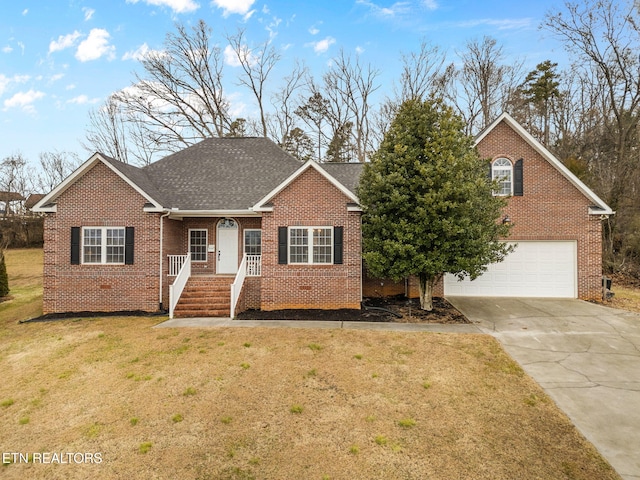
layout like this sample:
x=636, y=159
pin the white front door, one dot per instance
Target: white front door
x=227, y=246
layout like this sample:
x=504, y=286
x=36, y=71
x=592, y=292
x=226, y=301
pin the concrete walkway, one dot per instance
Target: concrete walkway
x=398, y=327
x=585, y=356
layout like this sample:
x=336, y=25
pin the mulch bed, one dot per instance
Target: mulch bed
x=409, y=309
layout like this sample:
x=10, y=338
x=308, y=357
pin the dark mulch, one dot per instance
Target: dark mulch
x=409, y=309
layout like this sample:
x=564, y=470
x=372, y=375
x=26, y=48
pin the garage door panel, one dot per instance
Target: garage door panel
x=533, y=269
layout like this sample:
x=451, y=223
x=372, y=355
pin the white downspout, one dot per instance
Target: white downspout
x=161, y=257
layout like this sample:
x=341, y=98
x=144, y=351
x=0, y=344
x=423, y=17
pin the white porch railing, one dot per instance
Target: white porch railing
x=254, y=265
x=175, y=263
x=175, y=290
x=251, y=266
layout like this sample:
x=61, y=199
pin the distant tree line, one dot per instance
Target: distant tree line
x=587, y=114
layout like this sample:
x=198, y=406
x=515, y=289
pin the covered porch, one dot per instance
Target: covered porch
x=209, y=263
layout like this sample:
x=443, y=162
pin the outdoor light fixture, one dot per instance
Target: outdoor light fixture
x=506, y=220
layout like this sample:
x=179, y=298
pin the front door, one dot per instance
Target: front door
x=227, y=246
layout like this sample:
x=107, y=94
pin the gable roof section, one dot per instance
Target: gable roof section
x=348, y=175
x=599, y=206
x=133, y=176
x=216, y=175
x=222, y=174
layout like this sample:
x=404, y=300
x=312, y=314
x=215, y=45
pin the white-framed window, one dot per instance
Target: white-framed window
x=103, y=245
x=311, y=245
x=252, y=241
x=198, y=244
x=502, y=171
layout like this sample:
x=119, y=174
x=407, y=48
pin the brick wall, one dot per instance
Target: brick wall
x=551, y=208
x=100, y=198
x=311, y=200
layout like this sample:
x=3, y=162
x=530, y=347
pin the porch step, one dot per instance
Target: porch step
x=205, y=296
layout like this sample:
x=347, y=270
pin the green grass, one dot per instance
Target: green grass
x=145, y=447
x=24, y=267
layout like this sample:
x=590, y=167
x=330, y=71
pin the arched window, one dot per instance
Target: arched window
x=502, y=170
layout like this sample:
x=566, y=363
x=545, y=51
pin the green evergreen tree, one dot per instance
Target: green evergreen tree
x=427, y=201
x=4, y=278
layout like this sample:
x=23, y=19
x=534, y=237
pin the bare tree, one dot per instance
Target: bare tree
x=421, y=72
x=481, y=88
x=55, y=166
x=107, y=132
x=179, y=99
x=257, y=64
x=349, y=86
x=15, y=183
x=285, y=101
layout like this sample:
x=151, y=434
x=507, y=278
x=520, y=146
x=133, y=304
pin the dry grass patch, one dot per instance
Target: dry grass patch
x=271, y=403
x=298, y=412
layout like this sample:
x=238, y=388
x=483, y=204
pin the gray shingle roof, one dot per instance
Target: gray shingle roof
x=223, y=174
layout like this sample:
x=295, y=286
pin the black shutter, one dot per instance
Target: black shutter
x=518, y=186
x=283, y=233
x=75, y=245
x=337, y=245
x=128, y=245
x=490, y=171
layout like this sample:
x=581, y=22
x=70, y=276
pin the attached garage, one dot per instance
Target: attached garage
x=533, y=269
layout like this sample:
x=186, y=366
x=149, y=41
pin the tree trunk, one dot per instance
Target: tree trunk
x=426, y=284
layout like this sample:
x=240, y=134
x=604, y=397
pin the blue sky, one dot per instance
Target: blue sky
x=61, y=58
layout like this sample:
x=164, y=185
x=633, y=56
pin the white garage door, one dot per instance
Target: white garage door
x=533, y=269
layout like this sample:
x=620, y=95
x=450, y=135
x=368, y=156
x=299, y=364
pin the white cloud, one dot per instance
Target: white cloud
x=6, y=81
x=82, y=100
x=502, y=24
x=231, y=57
x=137, y=54
x=314, y=30
x=178, y=6
x=88, y=13
x=359, y=50
x=431, y=4
x=64, y=41
x=24, y=100
x=25, y=11
x=71, y=86
x=397, y=8
x=323, y=45
x=241, y=7
x=95, y=46
x=57, y=76
x=7, y=49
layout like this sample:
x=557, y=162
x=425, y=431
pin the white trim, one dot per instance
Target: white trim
x=79, y=172
x=502, y=168
x=547, y=155
x=103, y=245
x=260, y=207
x=206, y=244
x=310, y=244
x=177, y=214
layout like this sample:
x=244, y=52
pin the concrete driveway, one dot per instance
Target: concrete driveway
x=585, y=356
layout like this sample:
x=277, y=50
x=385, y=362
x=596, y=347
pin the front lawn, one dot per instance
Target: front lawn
x=240, y=403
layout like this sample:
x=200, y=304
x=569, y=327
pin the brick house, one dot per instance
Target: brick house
x=235, y=223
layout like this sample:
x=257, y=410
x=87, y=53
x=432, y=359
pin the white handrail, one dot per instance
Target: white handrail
x=236, y=286
x=175, y=290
